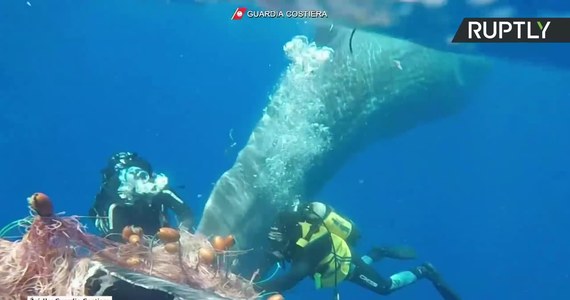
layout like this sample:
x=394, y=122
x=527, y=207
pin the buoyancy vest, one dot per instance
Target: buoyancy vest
x=333, y=268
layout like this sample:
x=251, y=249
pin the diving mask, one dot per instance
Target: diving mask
x=138, y=182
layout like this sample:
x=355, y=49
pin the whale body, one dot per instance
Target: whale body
x=375, y=87
x=433, y=23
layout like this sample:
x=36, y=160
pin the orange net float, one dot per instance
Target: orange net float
x=171, y=248
x=126, y=233
x=219, y=243
x=41, y=204
x=134, y=239
x=223, y=243
x=230, y=241
x=168, y=235
x=206, y=256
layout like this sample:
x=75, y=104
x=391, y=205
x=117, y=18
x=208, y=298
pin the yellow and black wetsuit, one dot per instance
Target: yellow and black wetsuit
x=328, y=260
x=315, y=251
x=313, y=256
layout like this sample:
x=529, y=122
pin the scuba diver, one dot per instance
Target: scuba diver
x=132, y=194
x=313, y=239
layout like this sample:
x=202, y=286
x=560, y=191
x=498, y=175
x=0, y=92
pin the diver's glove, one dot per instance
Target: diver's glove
x=102, y=224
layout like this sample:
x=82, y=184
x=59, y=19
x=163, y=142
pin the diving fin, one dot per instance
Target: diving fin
x=394, y=252
x=445, y=291
x=440, y=285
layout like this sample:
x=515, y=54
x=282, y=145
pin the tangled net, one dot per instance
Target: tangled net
x=54, y=255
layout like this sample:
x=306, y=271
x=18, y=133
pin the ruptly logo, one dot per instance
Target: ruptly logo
x=239, y=13
x=513, y=30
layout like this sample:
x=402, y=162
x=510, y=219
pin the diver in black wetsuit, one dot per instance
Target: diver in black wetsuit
x=314, y=249
x=131, y=194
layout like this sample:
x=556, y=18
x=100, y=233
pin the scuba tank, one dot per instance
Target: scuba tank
x=341, y=226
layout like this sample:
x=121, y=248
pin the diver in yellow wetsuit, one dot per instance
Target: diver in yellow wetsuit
x=317, y=242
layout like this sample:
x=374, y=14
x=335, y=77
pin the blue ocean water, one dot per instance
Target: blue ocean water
x=481, y=194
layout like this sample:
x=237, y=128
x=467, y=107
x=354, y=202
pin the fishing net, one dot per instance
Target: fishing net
x=56, y=257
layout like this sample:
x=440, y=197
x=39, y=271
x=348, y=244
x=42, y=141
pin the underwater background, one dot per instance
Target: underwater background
x=483, y=194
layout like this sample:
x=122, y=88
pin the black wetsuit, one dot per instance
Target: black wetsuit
x=149, y=213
